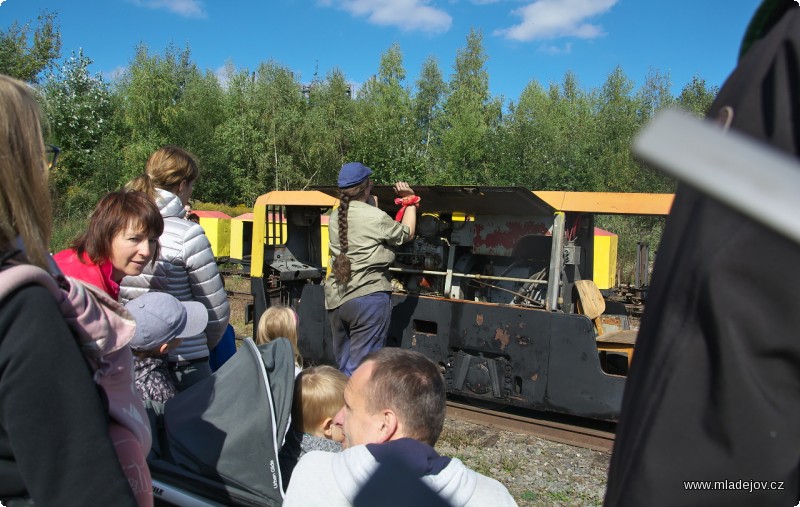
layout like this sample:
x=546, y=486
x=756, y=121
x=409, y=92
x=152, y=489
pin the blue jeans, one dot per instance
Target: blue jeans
x=359, y=327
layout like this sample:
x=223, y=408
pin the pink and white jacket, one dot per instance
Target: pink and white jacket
x=103, y=328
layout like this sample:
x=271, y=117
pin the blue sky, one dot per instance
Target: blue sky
x=525, y=40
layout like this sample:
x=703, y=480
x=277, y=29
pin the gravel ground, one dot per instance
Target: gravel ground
x=535, y=471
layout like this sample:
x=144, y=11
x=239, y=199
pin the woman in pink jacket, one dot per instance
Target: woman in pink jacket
x=122, y=238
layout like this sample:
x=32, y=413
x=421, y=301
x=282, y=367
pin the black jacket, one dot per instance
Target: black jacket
x=54, y=443
x=714, y=391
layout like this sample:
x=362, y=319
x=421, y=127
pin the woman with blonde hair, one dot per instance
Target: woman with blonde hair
x=185, y=267
x=280, y=322
x=46, y=387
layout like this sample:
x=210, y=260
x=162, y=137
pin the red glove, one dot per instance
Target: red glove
x=405, y=202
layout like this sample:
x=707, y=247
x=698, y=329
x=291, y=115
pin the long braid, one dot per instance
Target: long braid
x=341, y=269
x=341, y=264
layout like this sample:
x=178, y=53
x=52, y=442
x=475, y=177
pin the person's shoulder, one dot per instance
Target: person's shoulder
x=367, y=209
x=178, y=223
x=30, y=293
x=464, y=486
x=329, y=478
x=30, y=302
x=67, y=259
x=490, y=491
x=64, y=254
x=375, y=215
x=190, y=230
x=312, y=469
x=318, y=460
x=186, y=233
x=315, y=459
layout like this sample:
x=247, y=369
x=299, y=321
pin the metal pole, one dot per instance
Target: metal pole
x=556, y=262
x=465, y=275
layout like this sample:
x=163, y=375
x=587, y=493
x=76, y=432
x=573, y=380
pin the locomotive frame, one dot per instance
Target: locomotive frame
x=473, y=290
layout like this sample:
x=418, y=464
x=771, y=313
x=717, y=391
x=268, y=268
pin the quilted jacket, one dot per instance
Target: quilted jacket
x=185, y=268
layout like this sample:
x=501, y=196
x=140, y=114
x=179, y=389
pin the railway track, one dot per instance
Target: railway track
x=572, y=434
x=239, y=295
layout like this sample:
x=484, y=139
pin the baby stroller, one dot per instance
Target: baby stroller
x=217, y=442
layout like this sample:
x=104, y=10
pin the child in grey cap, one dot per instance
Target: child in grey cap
x=161, y=322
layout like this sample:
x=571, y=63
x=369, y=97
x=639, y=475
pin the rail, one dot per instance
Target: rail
x=571, y=434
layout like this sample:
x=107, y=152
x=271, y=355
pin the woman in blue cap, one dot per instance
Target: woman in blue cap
x=362, y=238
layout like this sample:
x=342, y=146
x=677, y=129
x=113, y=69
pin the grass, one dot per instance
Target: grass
x=559, y=496
x=239, y=284
x=511, y=464
x=64, y=233
x=460, y=439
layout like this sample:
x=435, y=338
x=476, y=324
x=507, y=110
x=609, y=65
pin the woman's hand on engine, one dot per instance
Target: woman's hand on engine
x=402, y=189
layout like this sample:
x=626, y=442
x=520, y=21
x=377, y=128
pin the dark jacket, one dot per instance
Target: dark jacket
x=713, y=390
x=153, y=381
x=51, y=413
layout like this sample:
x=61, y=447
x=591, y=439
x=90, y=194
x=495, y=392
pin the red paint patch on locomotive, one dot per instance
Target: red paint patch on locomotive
x=500, y=238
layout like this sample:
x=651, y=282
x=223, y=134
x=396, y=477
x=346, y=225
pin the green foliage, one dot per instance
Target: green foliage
x=231, y=211
x=26, y=62
x=257, y=131
x=385, y=135
x=696, y=98
x=327, y=136
x=80, y=110
x=200, y=111
x=551, y=140
x=469, y=116
x=64, y=231
x=152, y=89
x=427, y=110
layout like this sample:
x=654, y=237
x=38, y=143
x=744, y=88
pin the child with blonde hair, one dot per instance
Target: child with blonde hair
x=280, y=322
x=318, y=397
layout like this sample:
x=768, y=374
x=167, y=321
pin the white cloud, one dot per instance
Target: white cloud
x=408, y=15
x=114, y=74
x=551, y=19
x=224, y=74
x=557, y=50
x=185, y=8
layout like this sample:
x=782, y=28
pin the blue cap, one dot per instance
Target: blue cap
x=353, y=173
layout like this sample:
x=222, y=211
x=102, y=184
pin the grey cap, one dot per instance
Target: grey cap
x=160, y=317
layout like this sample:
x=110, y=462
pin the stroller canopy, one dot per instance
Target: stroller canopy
x=220, y=438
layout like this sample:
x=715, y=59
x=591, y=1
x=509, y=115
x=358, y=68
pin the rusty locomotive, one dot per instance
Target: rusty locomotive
x=496, y=288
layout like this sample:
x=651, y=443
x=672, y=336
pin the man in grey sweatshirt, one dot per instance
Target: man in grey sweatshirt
x=393, y=414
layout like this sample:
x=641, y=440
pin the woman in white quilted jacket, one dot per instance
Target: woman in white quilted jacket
x=186, y=267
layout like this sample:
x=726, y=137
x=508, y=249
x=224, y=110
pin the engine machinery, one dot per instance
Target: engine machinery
x=495, y=288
